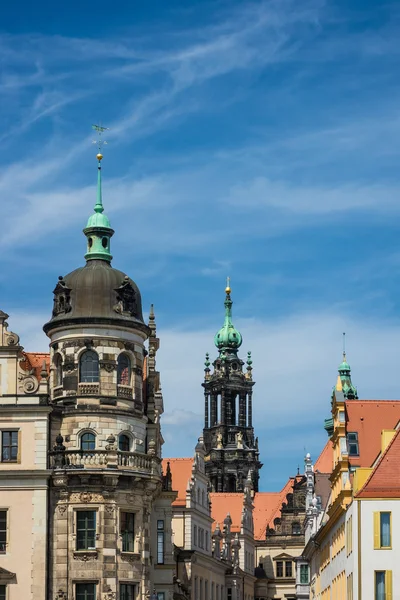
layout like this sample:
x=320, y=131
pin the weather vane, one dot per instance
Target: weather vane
x=100, y=142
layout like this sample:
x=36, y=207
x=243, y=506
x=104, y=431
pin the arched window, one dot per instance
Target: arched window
x=124, y=370
x=88, y=441
x=124, y=443
x=89, y=367
x=58, y=370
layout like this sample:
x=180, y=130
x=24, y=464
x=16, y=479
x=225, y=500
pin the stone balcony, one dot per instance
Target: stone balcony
x=61, y=458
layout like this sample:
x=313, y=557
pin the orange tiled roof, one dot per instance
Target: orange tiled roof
x=324, y=463
x=181, y=472
x=368, y=418
x=384, y=481
x=267, y=507
x=34, y=360
x=224, y=503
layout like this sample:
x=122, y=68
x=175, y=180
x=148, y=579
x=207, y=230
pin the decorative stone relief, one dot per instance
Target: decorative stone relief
x=126, y=299
x=60, y=595
x=85, y=556
x=108, y=365
x=29, y=383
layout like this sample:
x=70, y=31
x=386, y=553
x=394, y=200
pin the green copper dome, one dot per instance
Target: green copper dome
x=98, y=229
x=228, y=338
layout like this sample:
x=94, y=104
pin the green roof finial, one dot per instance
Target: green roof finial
x=344, y=383
x=228, y=339
x=98, y=229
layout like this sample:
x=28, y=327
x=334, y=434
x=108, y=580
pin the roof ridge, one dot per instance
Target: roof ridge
x=378, y=464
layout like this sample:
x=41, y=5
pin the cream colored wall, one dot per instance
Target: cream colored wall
x=178, y=530
x=32, y=439
x=25, y=507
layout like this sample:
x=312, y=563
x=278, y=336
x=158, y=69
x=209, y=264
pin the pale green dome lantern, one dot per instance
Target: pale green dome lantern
x=98, y=229
x=228, y=338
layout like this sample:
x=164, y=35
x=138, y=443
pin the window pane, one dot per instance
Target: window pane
x=123, y=370
x=127, y=591
x=385, y=529
x=128, y=531
x=86, y=530
x=288, y=568
x=3, y=530
x=85, y=591
x=88, y=441
x=2, y=592
x=303, y=573
x=279, y=569
x=124, y=443
x=89, y=367
x=380, y=585
x=9, y=446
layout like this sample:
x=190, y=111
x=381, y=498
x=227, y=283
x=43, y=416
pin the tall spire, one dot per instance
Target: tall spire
x=228, y=339
x=98, y=229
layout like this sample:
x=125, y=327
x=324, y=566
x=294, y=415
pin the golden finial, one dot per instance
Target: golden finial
x=99, y=156
x=228, y=285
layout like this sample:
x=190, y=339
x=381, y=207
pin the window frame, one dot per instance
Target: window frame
x=127, y=584
x=160, y=541
x=387, y=585
x=3, y=596
x=352, y=442
x=93, y=532
x=10, y=445
x=304, y=569
x=279, y=566
x=121, y=378
x=58, y=370
x=5, y=531
x=82, y=441
x=86, y=597
x=381, y=535
x=92, y=376
x=288, y=563
x=128, y=543
x=127, y=439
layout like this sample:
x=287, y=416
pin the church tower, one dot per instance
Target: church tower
x=231, y=449
x=110, y=510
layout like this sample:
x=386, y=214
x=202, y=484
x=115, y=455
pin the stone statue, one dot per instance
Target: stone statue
x=239, y=440
x=219, y=441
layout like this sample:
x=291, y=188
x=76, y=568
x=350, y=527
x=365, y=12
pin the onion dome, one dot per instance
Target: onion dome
x=228, y=338
x=344, y=383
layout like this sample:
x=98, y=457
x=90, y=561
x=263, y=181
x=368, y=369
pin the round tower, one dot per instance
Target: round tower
x=105, y=430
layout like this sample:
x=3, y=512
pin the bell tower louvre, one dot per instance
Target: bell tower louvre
x=231, y=449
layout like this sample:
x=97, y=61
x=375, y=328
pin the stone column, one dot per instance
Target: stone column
x=213, y=410
x=242, y=410
x=206, y=410
x=223, y=408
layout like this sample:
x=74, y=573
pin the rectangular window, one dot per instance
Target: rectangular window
x=195, y=535
x=383, y=585
x=160, y=542
x=3, y=532
x=86, y=531
x=127, y=591
x=279, y=568
x=229, y=593
x=352, y=444
x=206, y=590
x=382, y=530
x=3, y=592
x=85, y=591
x=385, y=530
x=196, y=589
x=201, y=589
x=160, y=595
x=128, y=531
x=343, y=445
x=9, y=446
x=288, y=568
x=303, y=573
x=212, y=591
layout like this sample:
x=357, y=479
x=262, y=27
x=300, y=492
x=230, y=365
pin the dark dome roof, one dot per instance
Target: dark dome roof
x=97, y=293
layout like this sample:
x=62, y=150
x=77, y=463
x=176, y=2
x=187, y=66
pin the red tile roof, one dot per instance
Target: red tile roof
x=384, y=481
x=224, y=503
x=34, y=360
x=368, y=418
x=324, y=463
x=181, y=472
x=267, y=507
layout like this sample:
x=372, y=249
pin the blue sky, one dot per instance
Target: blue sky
x=256, y=139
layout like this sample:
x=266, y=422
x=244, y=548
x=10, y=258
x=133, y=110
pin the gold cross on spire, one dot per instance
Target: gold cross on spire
x=100, y=130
